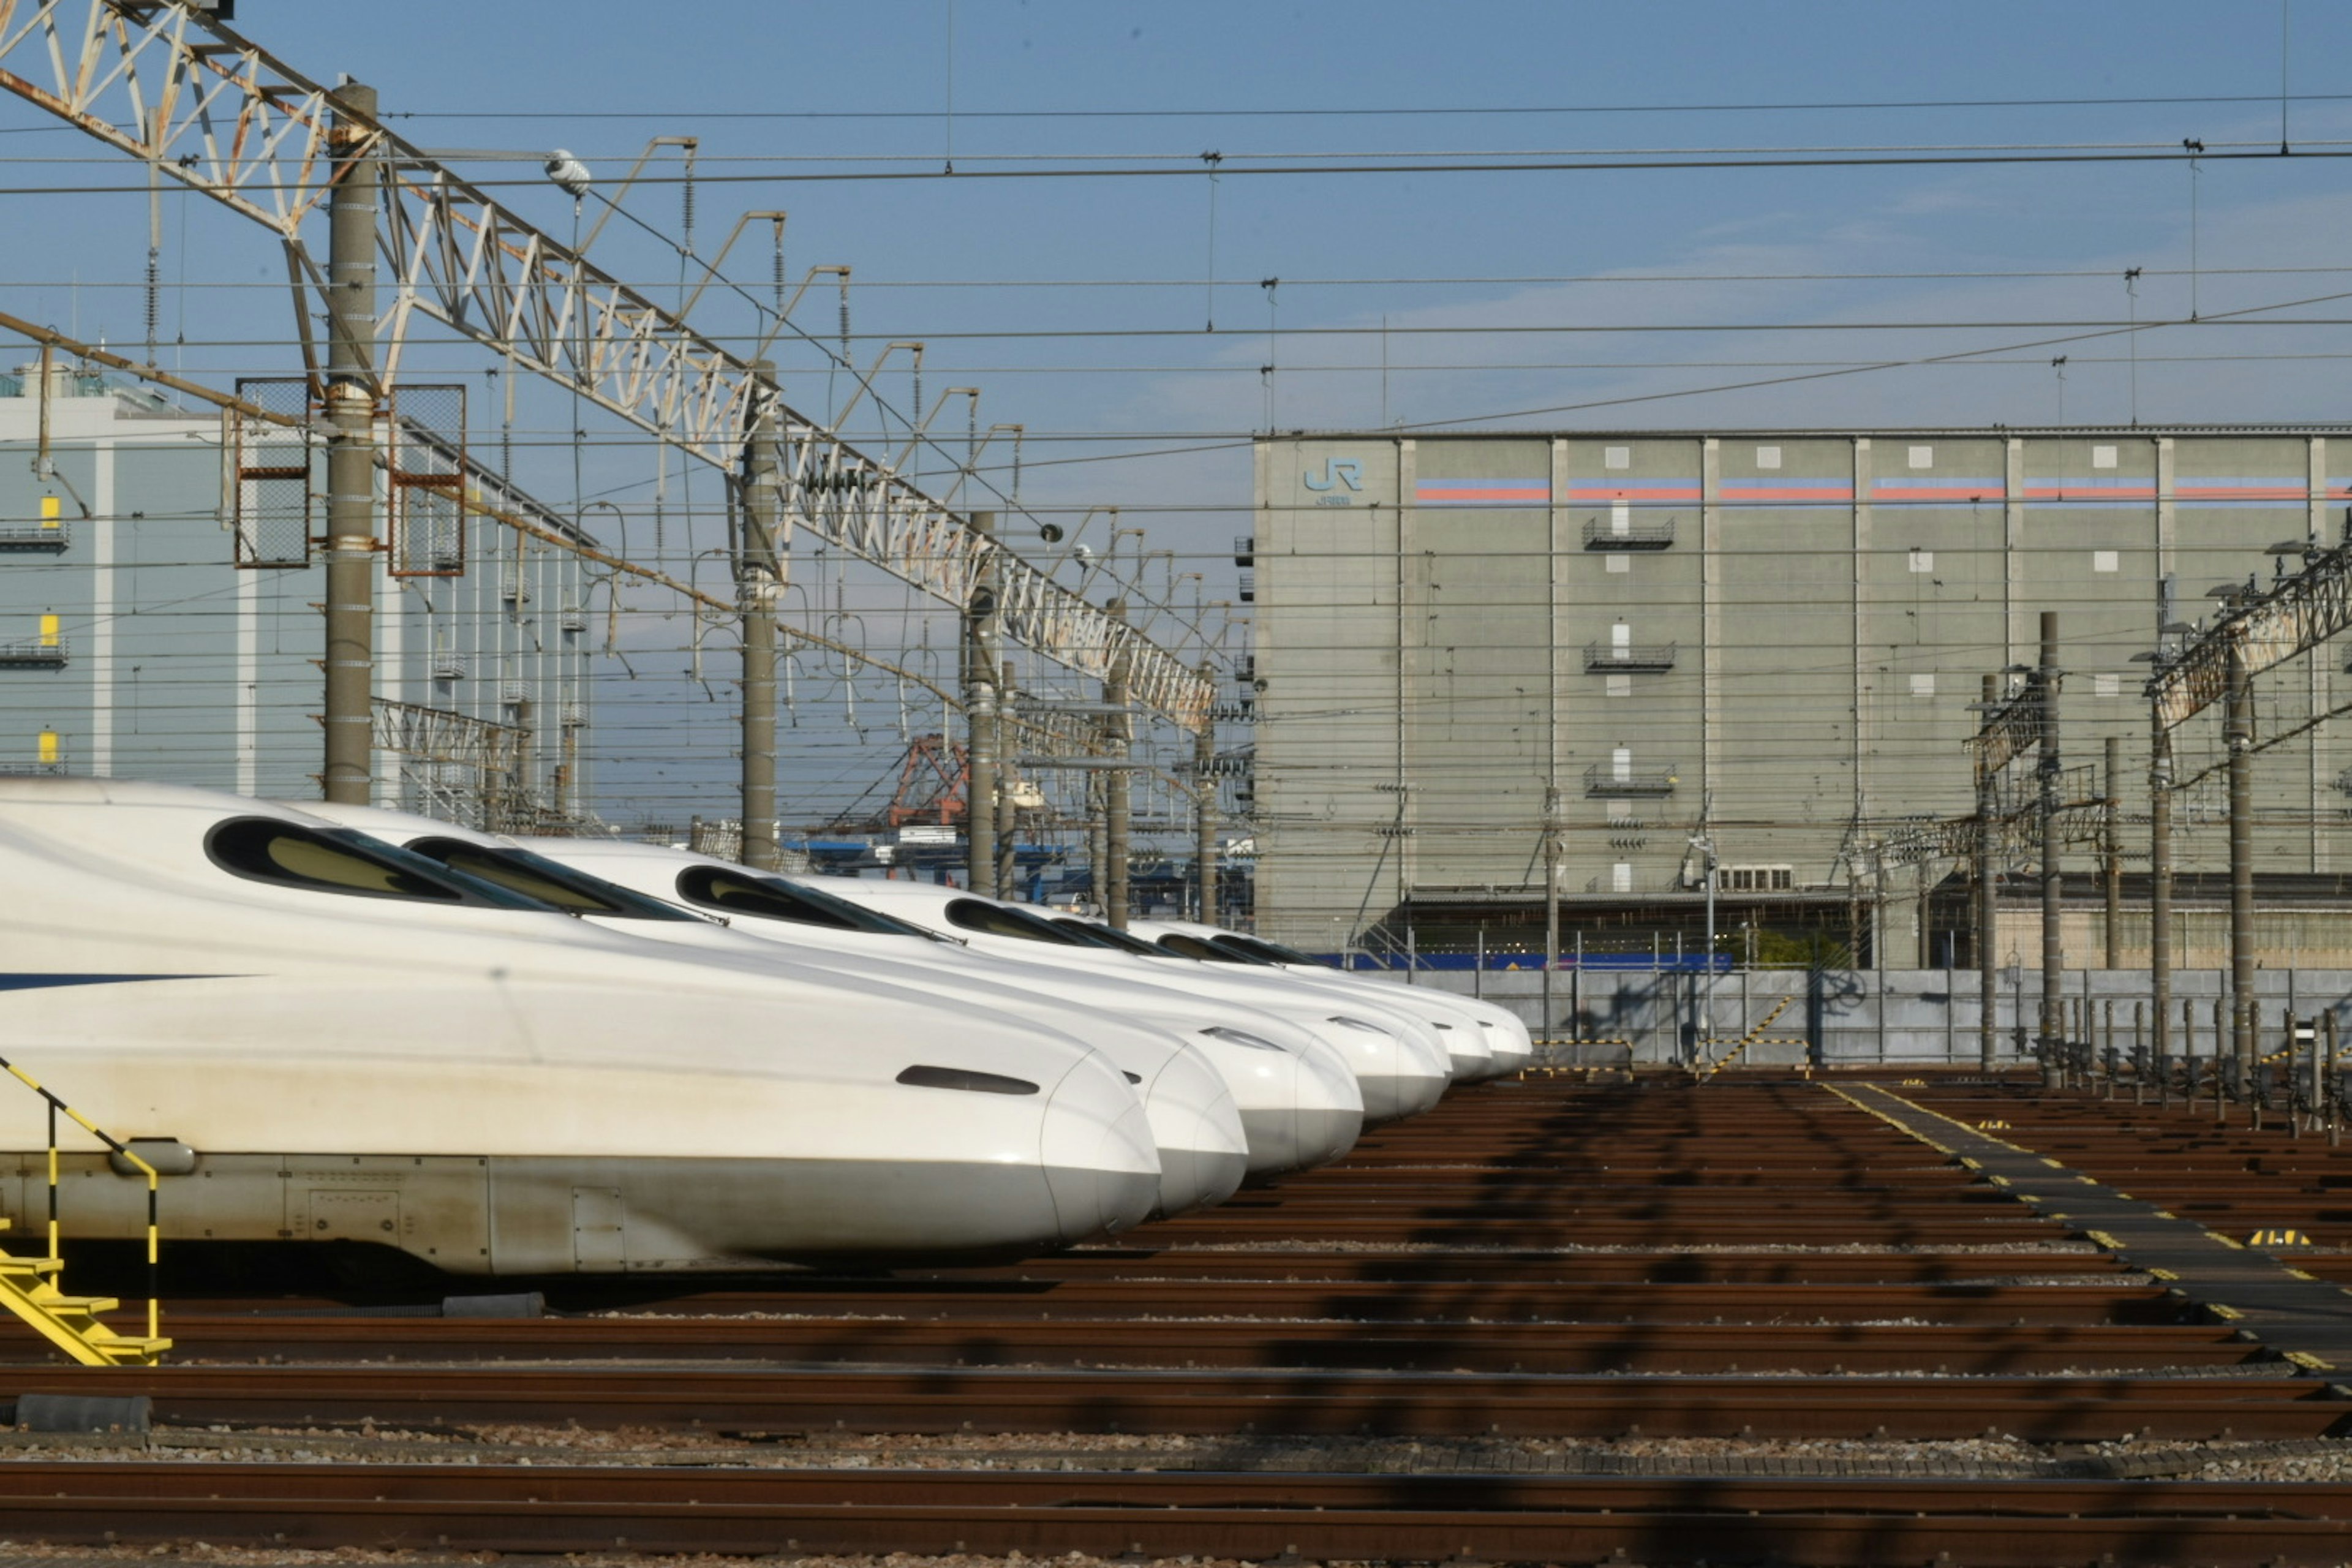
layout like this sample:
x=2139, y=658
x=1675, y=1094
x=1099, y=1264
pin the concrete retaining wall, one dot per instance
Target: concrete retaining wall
x=1837, y=1018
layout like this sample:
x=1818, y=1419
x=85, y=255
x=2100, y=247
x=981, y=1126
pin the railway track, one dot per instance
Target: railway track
x=1646, y=1322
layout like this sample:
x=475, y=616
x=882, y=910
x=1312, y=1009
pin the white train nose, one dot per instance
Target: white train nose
x=1096, y=1148
x=1466, y=1048
x=1204, y=1154
x=1396, y=1072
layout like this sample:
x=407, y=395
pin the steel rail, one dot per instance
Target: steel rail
x=1221, y=1515
x=1225, y=1402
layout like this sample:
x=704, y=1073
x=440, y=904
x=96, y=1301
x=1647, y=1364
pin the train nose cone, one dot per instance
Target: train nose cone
x=1330, y=1107
x=1467, y=1049
x=1202, y=1151
x=1098, y=1154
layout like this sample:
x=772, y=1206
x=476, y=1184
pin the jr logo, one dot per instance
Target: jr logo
x=1337, y=471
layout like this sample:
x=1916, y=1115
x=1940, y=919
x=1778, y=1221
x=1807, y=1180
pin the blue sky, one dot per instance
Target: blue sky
x=1747, y=248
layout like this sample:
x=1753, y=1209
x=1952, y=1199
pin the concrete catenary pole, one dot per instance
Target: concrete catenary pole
x=2240, y=736
x=1116, y=787
x=2054, y=949
x=757, y=582
x=2159, y=894
x=1008, y=808
x=350, y=406
x=1205, y=812
x=1551, y=907
x=980, y=663
x=1988, y=904
x=2111, y=850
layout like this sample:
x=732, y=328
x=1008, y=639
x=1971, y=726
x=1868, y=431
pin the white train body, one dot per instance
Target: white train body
x=1394, y=1072
x=326, y=1042
x=1298, y=1106
x=1195, y=1124
x=1502, y=1031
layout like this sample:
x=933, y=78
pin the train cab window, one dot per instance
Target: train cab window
x=770, y=898
x=1106, y=936
x=995, y=919
x=1259, y=948
x=544, y=881
x=261, y=849
x=1193, y=947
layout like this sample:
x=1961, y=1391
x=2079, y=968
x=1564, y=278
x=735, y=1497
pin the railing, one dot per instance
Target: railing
x=1653, y=656
x=46, y=653
x=120, y=1150
x=45, y=535
x=1600, y=781
x=1638, y=534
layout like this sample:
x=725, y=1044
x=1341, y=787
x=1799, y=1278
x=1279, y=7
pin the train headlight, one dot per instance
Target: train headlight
x=1239, y=1037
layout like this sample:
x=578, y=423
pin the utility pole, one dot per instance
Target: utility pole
x=1117, y=786
x=979, y=672
x=1551, y=902
x=2111, y=850
x=1008, y=808
x=2240, y=731
x=758, y=575
x=350, y=406
x=2159, y=895
x=2053, y=951
x=1988, y=904
x=1204, y=821
x=1705, y=844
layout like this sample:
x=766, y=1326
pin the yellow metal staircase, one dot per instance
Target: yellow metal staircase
x=29, y=1288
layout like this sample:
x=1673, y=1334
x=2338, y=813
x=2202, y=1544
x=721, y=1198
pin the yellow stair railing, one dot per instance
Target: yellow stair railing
x=30, y=1286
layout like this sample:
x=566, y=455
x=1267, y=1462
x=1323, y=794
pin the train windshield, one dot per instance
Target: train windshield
x=995, y=919
x=1193, y=947
x=543, y=881
x=1105, y=936
x=1259, y=947
x=773, y=898
x=339, y=861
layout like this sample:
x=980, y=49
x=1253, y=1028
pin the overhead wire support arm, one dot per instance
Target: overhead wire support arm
x=188, y=94
x=2268, y=628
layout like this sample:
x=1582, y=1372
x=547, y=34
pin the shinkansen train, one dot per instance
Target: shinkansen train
x=1505, y=1032
x=1403, y=1065
x=1196, y=1126
x=320, y=1037
x=1300, y=1104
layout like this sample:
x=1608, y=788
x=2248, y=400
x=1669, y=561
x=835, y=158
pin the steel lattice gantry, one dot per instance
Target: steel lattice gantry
x=201, y=104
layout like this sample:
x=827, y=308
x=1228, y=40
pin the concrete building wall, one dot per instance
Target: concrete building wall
x=1791, y=624
x=132, y=646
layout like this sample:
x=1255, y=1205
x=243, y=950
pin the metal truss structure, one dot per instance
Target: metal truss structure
x=200, y=104
x=2294, y=614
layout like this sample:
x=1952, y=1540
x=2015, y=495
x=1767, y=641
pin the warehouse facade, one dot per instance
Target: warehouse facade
x=1772, y=642
x=162, y=616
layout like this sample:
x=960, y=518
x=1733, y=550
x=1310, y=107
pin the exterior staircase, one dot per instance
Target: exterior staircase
x=29, y=1288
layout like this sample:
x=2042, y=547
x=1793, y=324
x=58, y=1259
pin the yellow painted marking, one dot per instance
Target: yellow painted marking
x=2226, y=1241
x=2166, y=1214
x=2311, y=1362
x=2279, y=1235
x=2219, y=1310
x=2162, y=1274
x=2051, y=1163
x=2103, y=1239
x=2300, y=1275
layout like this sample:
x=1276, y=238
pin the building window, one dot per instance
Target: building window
x=1620, y=877
x=1617, y=458
x=1756, y=879
x=1767, y=456
x=2103, y=456
x=1923, y=685
x=1923, y=561
x=2106, y=685
x=1617, y=560
x=1923, y=457
x=2105, y=560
